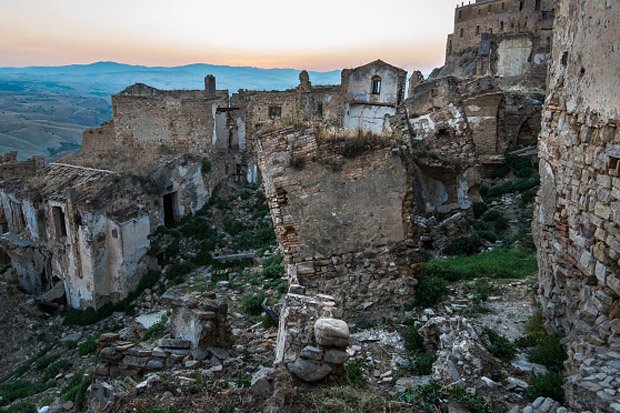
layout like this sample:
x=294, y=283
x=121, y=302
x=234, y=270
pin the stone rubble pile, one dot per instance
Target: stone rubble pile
x=461, y=355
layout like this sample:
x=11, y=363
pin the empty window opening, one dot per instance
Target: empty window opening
x=319, y=110
x=376, y=85
x=59, y=221
x=512, y=25
x=614, y=166
x=537, y=6
x=501, y=26
x=170, y=209
x=449, y=46
x=503, y=6
x=461, y=32
x=275, y=112
x=489, y=8
x=477, y=29
x=460, y=14
x=521, y=6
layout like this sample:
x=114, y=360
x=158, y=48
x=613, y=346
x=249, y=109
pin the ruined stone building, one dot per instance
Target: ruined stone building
x=494, y=74
x=577, y=218
x=81, y=227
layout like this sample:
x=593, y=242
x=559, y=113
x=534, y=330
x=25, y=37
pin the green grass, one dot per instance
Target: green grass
x=499, y=263
x=56, y=367
x=19, y=390
x=75, y=390
x=158, y=408
x=21, y=407
x=432, y=397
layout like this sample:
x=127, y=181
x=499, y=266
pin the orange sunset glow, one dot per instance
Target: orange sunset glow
x=318, y=35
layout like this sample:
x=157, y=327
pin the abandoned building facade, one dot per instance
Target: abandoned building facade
x=158, y=160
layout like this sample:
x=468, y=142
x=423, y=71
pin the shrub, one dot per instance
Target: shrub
x=430, y=290
x=203, y=258
x=421, y=364
x=297, y=162
x=492, y=215
x=272, y=267
x=534, y=331
x=413, y=340
x=500, y=346
x=354, y=372
x=479, y=209
x=481, y=289
x=178, y=270
x=251, y=304
x=207, y=165
x=549, y=352
x=148, y=280
x=234, y=227
x=547, y=385
x=467, y=245
x=88, y=347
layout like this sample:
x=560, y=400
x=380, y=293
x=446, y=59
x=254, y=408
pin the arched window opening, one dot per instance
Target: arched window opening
x=376, y=85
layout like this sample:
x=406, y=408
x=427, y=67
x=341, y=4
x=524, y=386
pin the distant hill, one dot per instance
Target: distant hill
x=44, y=109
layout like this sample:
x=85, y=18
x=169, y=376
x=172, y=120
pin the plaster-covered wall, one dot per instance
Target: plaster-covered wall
x=368, y=117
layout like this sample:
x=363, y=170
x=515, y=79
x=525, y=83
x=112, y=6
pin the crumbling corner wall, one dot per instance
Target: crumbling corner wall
x=341, y=208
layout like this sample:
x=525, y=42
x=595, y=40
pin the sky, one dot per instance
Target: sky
x=316, y=35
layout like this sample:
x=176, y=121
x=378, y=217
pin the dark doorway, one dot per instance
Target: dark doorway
x=170, y=210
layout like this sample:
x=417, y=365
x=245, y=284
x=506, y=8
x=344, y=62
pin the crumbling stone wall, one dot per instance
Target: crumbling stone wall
x=442, y=147
x=577, y=217
x=344, y=224
x=182, y=120
x=312, y=340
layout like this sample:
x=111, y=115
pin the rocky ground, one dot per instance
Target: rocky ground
x=398, y=362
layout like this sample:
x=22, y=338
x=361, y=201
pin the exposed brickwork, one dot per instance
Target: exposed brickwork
x=577, y=218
